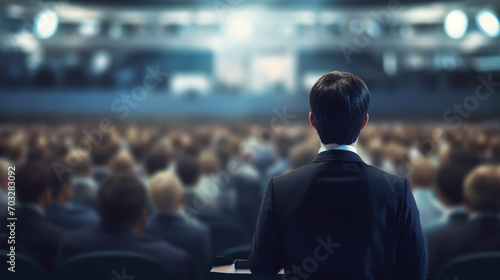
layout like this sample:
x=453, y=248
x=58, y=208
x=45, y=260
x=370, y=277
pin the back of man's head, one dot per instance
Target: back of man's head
x=339, y=104
x=451, y=176
x=33, y=179
x=166, y=192
x=156, y=162
x=424, y=174
x=189, y=170
x=482, y=189
x=122, y=199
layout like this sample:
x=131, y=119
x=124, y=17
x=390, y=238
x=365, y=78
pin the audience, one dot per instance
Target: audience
x=35, y=236
x=64, y=214
x=220, y=170
x=481, y=233
x=123, y=216
x=171, y=224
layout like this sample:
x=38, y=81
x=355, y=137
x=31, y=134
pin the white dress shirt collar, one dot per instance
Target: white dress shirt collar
x=329, y=147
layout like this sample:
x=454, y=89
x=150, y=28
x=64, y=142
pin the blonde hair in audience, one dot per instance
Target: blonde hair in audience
x=122, y=163
x=80, y=161
x=165, y=192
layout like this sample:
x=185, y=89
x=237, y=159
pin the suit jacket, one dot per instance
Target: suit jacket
x=478, y=234
x=71, y=216
x=457, y=216
x=339, y=218
x=35, y=237
x=85, y=191
x=187, y=234
x=100, y=239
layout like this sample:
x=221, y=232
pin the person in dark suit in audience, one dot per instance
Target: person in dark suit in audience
x=337, y=217
x=122, y=202
x=64, y=214
x=450, y=179
x=481, y=233
x=188, y=169
x=84, y=186
x=35, y=236
x=102, y=155
x=172, y=225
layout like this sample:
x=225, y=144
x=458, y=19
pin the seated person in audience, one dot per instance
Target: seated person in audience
x=188, y=170
x=211, y=186
x=102, y=155
x=122, y=204
x=423, y=182
x=64, y=214
x=481, y=233
x=35, y=236
x=84, y=186
x=450, y=179
x=170, y=224
x=337, y=217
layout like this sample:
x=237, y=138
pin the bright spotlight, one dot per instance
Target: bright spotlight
x=101, y=61
x=45, y=24
x=455, y=24
x=487, y=21
x=240, y=28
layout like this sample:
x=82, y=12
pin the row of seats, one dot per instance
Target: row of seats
x=129, y=265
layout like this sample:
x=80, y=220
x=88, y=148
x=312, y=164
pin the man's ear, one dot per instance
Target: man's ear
x=311, y=120
x=365, y=121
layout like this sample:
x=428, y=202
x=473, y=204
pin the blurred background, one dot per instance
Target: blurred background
x=217, y=92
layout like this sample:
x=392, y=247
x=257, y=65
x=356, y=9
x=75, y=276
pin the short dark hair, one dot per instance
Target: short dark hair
x=32, y=180
x=156, y=161
x=189, y=170
x=121, y=199
x=451, y=176
x=339, y=104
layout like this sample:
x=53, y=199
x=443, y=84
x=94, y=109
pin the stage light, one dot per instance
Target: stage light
x=101, y=61
x=89, y=28
x=45, y=24
x=455, y=24
x=487, y=21
x=240, y=28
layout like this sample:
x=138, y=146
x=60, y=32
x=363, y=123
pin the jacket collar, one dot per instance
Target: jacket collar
x=338, y=155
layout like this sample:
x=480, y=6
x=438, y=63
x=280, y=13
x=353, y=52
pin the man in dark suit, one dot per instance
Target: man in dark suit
x=337, y=217
x=122, y=201
x=481, y=233
x=35, y=236
x=64, y=214
x=172, y=225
